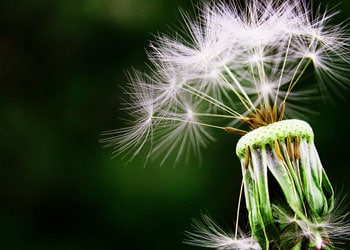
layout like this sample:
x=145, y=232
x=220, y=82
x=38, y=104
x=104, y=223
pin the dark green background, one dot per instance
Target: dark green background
x=61, y=64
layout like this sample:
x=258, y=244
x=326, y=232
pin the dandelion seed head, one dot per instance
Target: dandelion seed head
x=233, y=61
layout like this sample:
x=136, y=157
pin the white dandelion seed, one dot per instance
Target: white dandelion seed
x=141, y=107
x=181, y=133
x=206, y=233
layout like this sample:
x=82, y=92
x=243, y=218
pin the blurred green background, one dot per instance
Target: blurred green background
x=61, y=65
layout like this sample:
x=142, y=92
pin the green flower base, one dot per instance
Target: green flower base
x=301, y=199
x=272, y=132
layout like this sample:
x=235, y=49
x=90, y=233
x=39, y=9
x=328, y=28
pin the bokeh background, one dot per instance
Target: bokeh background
x=61, y=67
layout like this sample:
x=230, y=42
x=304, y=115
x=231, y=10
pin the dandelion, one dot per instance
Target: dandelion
x=239, y=69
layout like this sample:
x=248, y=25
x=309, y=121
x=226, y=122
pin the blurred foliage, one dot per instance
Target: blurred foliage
x=61, y=64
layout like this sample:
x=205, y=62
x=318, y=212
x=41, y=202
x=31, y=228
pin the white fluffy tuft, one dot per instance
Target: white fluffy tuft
x=208, y=234
x=227, y=62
